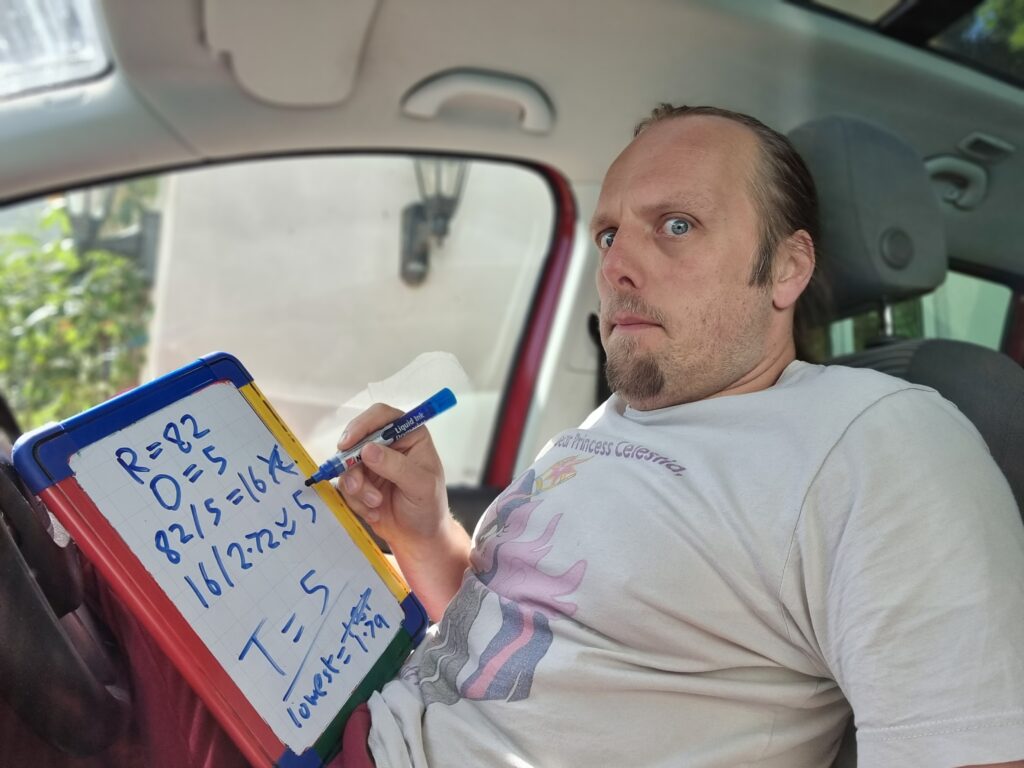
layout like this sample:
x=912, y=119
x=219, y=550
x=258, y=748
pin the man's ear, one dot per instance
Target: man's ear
x=794, y=265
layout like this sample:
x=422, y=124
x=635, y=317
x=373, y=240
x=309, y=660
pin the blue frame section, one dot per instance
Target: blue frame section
x=416, y=622
x=42, y=457
x=308, y=759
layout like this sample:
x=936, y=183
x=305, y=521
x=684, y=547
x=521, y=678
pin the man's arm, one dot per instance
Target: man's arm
x=400, y=492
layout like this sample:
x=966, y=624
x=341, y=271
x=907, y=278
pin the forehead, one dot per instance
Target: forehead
x=702, y=162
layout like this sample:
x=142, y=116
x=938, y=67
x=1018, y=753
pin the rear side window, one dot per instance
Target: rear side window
x=49, y=44
x=329, y=277
x=964, y=307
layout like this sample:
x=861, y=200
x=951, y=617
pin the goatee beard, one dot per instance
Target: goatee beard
x=635, y=376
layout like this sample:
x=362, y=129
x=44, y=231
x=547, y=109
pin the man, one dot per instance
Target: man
x=732, y=547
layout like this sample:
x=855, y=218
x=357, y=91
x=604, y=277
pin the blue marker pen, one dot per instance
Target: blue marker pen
x=417, y=417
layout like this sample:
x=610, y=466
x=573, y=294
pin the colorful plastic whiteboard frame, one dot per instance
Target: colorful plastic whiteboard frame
x=42, y=458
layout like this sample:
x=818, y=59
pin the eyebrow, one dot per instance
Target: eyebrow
x=599, y=223
x=602, y=221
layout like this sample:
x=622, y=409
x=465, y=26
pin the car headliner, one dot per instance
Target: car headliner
x=171, y=100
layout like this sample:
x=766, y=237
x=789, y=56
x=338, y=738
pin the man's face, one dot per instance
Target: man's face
x=678, y=233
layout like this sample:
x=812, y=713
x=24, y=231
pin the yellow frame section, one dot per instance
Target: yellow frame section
x=330, y=497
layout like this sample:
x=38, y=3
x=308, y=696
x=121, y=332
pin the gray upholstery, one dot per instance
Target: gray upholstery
x=882, y=230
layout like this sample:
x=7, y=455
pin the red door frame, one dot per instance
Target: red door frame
x=526, y=365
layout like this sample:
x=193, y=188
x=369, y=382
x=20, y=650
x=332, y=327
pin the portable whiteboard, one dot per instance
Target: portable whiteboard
x=273, y=602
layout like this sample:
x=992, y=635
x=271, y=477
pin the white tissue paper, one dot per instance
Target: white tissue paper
x=461, y=434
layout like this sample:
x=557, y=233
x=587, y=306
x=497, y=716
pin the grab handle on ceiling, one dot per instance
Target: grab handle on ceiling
x=426, y=99
x=957, y=181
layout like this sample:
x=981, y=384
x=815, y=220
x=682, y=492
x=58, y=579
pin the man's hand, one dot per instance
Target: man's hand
x=400, y=492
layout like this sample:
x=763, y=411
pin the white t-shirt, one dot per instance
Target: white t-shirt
x=709, y=584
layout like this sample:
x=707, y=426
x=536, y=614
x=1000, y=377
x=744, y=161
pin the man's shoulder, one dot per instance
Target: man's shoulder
x=892, y=413
x=842, y=389
x=832, y=398
x=842, y=379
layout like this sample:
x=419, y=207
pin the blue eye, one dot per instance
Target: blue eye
x=605, y=239
x=675, y=227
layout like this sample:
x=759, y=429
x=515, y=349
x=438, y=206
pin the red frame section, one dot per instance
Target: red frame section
x=137, y=589
x=1014, y=342
x=526, y=368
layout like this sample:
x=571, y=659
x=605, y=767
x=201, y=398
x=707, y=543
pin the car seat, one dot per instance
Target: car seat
x=882, y=240
x=62, y=691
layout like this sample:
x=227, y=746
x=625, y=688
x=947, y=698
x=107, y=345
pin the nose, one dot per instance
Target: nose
x=620, y=266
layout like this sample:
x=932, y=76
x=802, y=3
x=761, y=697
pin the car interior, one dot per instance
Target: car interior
x=367, y=199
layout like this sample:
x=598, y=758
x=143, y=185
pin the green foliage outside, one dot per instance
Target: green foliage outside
x=907, y=321
x=74, y=325
x=815, y=345
x=992, y=35
x=1003, y=21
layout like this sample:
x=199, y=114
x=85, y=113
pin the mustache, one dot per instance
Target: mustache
x=628, y=304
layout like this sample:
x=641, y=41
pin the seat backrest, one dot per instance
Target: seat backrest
x=882, y=241
x=881, y=236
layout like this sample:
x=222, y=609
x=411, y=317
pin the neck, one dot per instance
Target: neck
x=764, y=374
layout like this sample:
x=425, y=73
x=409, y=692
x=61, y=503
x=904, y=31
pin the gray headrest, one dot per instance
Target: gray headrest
x=882, y=236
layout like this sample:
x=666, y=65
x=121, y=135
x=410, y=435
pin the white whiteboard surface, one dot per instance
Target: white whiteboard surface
x=217, y=511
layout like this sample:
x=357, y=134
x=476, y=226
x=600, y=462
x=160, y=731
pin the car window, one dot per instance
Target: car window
x=48, y=45
x=987, y=35
x=329, y=277
x=964, y=307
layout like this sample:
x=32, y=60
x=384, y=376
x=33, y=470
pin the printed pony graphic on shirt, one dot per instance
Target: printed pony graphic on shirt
x=507, y=566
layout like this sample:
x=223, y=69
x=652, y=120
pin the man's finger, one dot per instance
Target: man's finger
x=351, y=480
x=358, y=483
x=355, y=502
x=370, y=420
x=415, y=482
